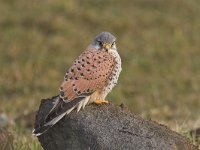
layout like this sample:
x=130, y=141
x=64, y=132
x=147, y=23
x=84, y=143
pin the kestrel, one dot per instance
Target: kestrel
x=91, y=77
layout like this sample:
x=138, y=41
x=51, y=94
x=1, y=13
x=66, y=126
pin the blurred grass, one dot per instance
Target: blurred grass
x=158, y=41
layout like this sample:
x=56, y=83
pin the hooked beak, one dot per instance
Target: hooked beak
x=106, y=46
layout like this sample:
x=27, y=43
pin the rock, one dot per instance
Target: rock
x=107, y=127
x=6, y=140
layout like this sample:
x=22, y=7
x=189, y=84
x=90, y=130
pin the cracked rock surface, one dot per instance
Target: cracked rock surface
x=107, y=127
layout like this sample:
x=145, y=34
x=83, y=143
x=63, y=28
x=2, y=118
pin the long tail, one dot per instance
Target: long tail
x=59, y=110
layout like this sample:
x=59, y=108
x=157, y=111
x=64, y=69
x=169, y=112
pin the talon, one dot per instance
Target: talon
x=101, y=102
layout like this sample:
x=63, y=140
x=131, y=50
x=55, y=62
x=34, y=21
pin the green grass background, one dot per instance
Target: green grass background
x=158, y=41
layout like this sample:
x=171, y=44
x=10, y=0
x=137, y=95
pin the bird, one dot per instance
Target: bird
x=89, y=80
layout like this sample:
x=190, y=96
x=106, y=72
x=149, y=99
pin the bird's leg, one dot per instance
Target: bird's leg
x=101, y=102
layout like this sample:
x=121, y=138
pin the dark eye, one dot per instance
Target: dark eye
x=100, y=43
x=113, y=44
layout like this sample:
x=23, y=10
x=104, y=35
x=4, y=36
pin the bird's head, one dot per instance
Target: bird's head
x=105, y=41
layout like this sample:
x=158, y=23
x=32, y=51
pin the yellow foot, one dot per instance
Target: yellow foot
x=101, y=102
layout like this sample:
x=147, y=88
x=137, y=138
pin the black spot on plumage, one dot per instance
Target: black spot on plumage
x=88, y=62
x=66, y=77
x=82, y=74
x=79, y=68
x=78, y=92
x=93, y=66
x=83, y=65
x=62, y=93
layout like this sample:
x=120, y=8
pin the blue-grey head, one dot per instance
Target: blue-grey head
x=104, y=41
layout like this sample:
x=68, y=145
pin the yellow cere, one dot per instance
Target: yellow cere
x=107, y=46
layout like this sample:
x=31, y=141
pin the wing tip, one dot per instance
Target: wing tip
x=35, y=134
x=40, y=130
